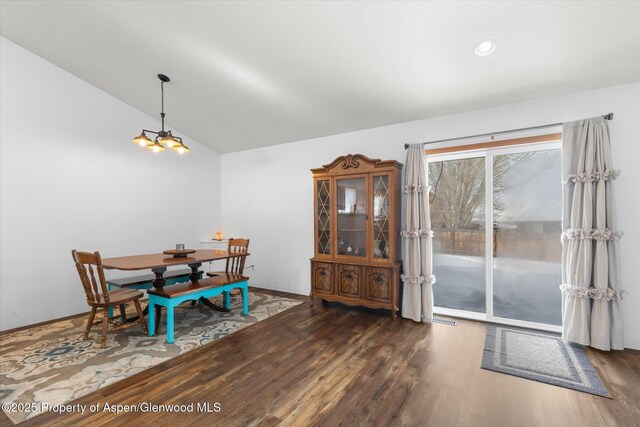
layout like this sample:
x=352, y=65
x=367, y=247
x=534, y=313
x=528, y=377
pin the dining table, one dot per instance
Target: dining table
x=159, y=262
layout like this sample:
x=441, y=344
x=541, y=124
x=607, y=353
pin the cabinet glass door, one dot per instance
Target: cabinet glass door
x=381, y=214
x=352, y=216
x=322, y=217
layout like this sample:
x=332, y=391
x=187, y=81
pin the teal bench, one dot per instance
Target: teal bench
x=145, y=281
x=172, y=296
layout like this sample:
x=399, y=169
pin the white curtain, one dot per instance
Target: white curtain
x=417, y=297
x=592, y=313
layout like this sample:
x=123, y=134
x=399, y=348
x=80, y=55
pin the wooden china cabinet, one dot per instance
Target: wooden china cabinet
x=357, y=230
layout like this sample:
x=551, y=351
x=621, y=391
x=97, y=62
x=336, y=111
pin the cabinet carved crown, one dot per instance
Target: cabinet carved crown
x=353, y=161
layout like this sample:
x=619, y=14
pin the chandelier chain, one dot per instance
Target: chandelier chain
x=162, y=103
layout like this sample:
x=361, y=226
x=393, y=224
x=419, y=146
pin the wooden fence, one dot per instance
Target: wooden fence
x=506, y=244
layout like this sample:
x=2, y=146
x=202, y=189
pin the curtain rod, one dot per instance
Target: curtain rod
x=606, y=117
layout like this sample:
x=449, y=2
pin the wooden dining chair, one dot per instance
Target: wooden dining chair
x=234, y=265
x=98, y=295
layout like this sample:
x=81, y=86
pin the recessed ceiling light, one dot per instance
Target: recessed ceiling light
x=485, y=47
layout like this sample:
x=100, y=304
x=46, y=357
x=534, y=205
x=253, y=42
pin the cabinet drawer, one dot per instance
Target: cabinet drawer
x=348, y=280
x=321, y=277
x=379, y=284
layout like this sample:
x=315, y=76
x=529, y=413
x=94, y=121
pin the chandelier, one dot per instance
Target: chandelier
x=163, y=138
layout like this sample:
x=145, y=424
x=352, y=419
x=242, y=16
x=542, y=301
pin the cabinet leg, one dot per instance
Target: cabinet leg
x=311, y=298
x=394, y=313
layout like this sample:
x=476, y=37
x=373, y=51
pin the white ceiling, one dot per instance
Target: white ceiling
x=251, y=74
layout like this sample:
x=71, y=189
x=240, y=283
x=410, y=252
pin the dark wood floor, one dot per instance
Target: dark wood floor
x=336, y=366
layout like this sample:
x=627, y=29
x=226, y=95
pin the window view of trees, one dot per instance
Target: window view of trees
x=461, y=185
x=458, y=222
x=526, y=202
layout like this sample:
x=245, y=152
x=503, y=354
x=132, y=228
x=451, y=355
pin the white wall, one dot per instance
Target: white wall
x=70, y=178
x=267, y=192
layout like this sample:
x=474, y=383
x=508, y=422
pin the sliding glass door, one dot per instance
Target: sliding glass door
x=527, y=208
x=496, y=219
x=458, y=224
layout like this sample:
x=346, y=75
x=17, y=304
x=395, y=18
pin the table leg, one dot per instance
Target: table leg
x=145, y=311
x=159, y=280
x=195, y=274
x=213, y=306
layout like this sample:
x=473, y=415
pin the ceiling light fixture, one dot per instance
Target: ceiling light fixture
x=485, y=47
x=164, y=138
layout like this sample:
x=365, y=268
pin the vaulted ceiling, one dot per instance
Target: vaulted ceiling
x=252, y=74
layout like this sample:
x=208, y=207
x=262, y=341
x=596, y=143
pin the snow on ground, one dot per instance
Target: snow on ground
x=523, y=289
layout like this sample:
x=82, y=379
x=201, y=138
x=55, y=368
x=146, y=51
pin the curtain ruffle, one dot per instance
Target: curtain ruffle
x=606, y=175
x=415, y=280
x=591, y=234
x=408, y=189
x=413, y=234
x=593, y=293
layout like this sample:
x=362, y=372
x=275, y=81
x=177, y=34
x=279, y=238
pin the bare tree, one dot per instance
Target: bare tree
x=458, y=190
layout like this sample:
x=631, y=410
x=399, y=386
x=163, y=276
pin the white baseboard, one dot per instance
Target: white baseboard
x=632, y=345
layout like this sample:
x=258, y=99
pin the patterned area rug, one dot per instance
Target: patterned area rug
x=540, y=356
x=50, y=365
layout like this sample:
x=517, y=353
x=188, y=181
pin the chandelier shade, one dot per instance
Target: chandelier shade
x=156, y=147
x=169, y=141
x=163, y=138
x=142, y=140
x=180, y=148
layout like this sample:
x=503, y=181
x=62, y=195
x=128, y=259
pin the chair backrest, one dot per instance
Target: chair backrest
x=236, y=265
x=93, y=288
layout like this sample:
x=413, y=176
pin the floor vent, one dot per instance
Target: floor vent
x=448, y=322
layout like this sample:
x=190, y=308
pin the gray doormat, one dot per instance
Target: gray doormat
x=540, y=356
